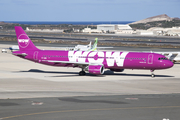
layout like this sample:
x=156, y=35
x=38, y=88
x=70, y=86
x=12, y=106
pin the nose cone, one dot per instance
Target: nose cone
x=167, y=64
x=170, y=64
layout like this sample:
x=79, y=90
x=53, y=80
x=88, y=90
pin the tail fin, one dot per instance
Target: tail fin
x=89, y=44
x=94, y=48
x=24, y=41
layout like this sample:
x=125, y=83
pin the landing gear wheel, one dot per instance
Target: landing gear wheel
x=82, y=73
x=152, y=75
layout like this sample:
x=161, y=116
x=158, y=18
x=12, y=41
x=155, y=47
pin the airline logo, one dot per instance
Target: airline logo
x=23, y=40
x=98, y=57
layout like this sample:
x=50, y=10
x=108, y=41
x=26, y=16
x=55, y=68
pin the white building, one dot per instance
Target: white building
x=44, y=30
x=124, y=29
x=174, y=31
x=106, y=27
x=144, y=32
x=118, y=29
x=89, y=30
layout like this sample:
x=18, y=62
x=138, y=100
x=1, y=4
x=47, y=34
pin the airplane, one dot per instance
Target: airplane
x=14, y=47
x=173, y=56
x=81, y=47
x=95, y=62
x=88, y=47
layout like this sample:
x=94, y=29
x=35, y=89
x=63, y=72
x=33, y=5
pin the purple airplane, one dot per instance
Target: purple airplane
x=92, y=61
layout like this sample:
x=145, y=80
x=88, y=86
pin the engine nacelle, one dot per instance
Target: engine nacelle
x=117, y=70
x=96, y=69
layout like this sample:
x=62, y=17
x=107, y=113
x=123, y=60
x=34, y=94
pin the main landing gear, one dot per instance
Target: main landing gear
x=152, y=74
x=82, y=73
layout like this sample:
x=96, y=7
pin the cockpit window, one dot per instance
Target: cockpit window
x=163, y=58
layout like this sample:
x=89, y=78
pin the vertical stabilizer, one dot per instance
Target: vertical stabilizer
x=24, y=41
x=94, y=48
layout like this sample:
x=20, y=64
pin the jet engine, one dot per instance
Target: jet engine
x=117, y=70
x=96, y=69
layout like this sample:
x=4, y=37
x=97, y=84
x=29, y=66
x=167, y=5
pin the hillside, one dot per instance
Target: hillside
x=163, y=21
x=5, y=23
x=163, y=17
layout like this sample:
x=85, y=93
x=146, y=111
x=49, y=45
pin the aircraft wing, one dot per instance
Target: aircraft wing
x=67, y=62
x=72, y=62
x=105, y=47
x=64, y=47
x=173, y=56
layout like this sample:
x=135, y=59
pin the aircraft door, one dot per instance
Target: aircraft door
x=35, y=56
x=150, y=59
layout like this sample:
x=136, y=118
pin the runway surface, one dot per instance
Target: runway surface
x=118, y=107
x=85, y=35
x=33, y=91
x=127, y=39
x=8, y=44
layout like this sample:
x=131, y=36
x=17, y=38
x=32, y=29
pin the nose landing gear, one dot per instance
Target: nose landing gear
x=152, y=74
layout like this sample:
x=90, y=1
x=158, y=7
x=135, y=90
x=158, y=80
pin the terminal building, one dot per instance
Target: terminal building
x=110, y=28
x=115, y=28
x=44, y=30
x=89, y=30
x=174, y=31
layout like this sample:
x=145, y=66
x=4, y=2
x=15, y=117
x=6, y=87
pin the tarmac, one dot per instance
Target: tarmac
x=30, y=90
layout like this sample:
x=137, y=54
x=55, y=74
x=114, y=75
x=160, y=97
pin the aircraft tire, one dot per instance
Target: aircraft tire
x=82, y=73
x=152, y=75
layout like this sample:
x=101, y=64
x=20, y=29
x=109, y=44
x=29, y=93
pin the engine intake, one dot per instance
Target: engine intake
x=96, y=69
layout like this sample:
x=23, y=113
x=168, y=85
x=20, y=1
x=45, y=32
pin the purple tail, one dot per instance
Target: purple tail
x=24, y=41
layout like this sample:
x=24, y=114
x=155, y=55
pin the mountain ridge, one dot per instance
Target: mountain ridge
x=162, y=17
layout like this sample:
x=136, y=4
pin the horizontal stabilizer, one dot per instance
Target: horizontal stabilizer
x=20, y=54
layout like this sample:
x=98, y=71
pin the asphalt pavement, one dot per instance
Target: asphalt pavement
x=116, y=107
x=30, y=90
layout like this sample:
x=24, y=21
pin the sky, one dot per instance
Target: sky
x=86, y=10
